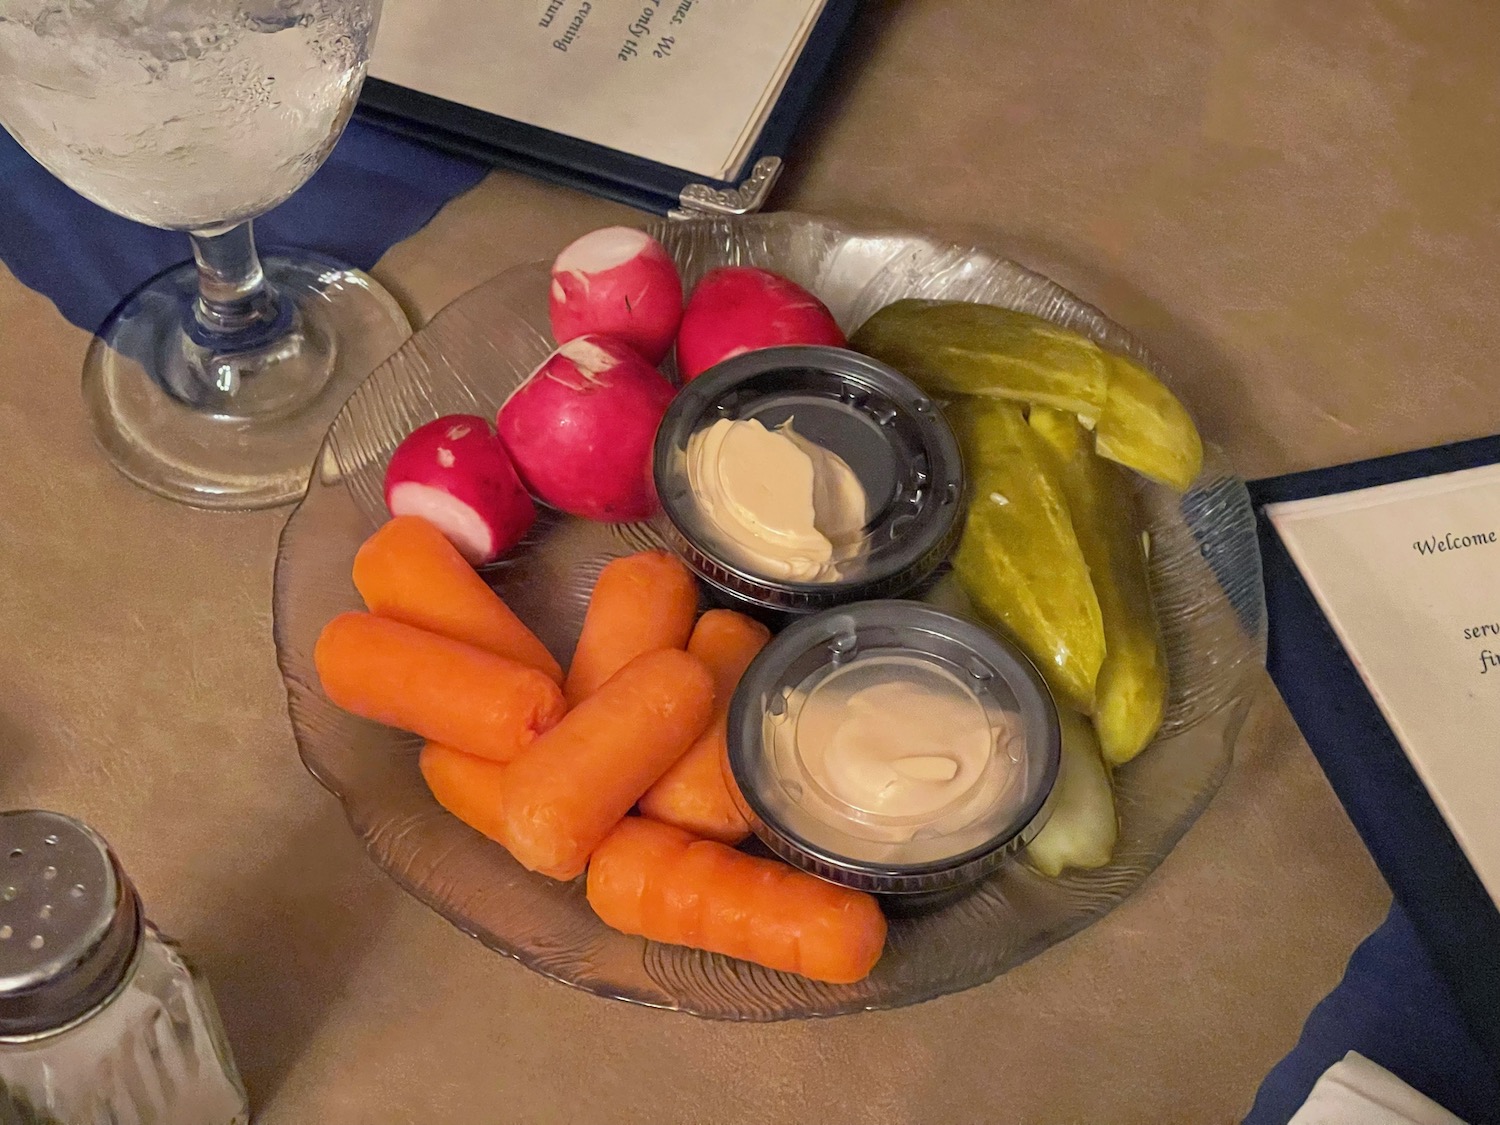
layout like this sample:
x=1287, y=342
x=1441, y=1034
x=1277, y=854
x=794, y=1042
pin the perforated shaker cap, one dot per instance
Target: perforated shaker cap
x=70, y=922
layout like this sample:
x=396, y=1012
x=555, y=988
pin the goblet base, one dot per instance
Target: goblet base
x=235, y=427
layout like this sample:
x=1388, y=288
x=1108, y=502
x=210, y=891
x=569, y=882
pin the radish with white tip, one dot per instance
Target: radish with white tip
x=617, y=282
x=454, y=472
x=581, y=428
x=737, y=309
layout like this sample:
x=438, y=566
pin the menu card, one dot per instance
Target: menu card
x=684, y=83
x=1408, y=576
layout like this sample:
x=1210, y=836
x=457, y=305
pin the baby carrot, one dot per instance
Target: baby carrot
x=640, y=603
x=409, y=572
x=664, y=884
x=726, y=642
x=694, y=794
x=468, y=787
x=441, y=689
x=576, y=781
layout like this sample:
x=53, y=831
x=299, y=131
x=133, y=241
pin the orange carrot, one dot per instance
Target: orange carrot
x=442, y=689
x=664, y=884
x=694, y=794
x=468, y=787
x=575, y=783
x=641, y=603
x=409, y=572
x=726, y=642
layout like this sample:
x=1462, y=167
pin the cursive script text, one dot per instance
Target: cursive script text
x=1435, y=544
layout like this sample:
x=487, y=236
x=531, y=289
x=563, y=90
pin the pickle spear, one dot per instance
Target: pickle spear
x=1130, y=696
x=1082, y=829
x=1145, y=428
x=958, y=348
x=955, y=348
x=1019, y=560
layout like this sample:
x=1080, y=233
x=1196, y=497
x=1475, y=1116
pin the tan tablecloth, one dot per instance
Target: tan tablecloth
x=1293, y=204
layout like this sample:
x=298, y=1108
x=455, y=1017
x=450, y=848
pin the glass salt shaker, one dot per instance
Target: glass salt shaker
x=102, y=1021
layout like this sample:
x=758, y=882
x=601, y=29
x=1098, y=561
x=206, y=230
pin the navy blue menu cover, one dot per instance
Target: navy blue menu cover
x=594, y=168
x=1427, y=871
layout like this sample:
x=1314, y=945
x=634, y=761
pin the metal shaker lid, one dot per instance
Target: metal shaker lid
x=70, y=922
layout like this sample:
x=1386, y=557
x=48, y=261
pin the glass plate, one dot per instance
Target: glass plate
x=1206, y=580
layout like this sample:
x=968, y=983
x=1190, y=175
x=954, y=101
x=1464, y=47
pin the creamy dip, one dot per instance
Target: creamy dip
x=894, y=757
x=905, y=743
x=784, y=506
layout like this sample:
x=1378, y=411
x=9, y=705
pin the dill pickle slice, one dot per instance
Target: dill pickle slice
x=1145, y=428
x=1082, y=829
x=1019, y=559
x=1130, y=695
x=953, y=348
x=957, y=348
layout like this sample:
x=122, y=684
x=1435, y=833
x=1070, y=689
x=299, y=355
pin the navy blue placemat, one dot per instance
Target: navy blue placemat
x=1395, y=1008
x=375, y=189
x=1429, y=876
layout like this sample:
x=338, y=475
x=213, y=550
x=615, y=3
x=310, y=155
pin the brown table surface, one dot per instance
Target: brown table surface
x=1293, y=204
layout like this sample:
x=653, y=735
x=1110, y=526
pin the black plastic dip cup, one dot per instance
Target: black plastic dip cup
x=885, y=428
x=796, y=794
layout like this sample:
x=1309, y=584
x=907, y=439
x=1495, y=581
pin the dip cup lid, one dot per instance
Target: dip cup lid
x=890, y=433
x=785, y=790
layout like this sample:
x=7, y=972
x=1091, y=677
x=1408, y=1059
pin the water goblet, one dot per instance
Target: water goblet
x=215, y=381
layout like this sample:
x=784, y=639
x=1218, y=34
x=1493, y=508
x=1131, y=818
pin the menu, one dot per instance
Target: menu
x=684, y=83
x=1408, y=576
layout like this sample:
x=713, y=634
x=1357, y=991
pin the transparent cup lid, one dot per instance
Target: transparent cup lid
x=894, y=747
x=892, y=436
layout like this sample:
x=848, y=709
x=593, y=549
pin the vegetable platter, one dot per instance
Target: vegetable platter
x=1204, y=581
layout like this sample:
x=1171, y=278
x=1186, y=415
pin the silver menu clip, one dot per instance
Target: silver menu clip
x=698, y=200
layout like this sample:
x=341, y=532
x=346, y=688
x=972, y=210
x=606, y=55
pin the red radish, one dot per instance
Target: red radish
x=739, y=309
x=580, y=429
x=455, y=473
x=617, y=282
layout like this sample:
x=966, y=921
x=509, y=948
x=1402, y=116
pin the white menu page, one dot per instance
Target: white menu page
x=686, y=83
x=1408, y=574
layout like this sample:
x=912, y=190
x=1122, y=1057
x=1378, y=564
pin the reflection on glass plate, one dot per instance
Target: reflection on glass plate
x=1205, y=574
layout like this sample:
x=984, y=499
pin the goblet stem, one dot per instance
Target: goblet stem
x=235, y=309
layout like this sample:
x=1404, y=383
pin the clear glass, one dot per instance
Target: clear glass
x=154, y=1054
x=214, y=382
x=1206, y=581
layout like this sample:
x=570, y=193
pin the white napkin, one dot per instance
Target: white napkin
x=1355, y=1091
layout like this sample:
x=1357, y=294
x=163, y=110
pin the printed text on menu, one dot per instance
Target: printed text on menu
x=1408, y=576
x=680, y=82
x=651, y=32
